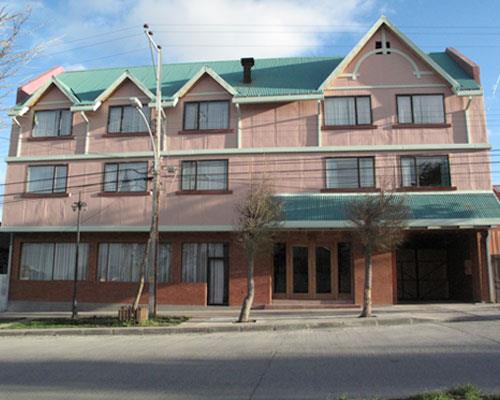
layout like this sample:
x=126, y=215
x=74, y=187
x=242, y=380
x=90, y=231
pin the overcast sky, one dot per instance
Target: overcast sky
x=100, y=33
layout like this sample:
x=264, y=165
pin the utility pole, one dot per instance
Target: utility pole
x=155, y=234
x=77, y=206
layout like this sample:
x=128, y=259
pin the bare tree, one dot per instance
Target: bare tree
x=12, y=56
x=379, y=223
x=259, y=214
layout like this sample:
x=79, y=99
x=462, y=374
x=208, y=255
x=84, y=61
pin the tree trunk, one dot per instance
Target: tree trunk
x=367, y=301
x=247, y=303
x=140, y=287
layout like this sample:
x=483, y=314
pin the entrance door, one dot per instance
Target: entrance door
x=300, y=270
x=217, y=275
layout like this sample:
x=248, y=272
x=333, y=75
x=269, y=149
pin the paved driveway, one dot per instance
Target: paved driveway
x=322, y=364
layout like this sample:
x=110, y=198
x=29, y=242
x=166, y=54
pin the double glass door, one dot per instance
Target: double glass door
x=311, y=271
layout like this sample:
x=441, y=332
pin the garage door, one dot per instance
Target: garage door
x=422, y=275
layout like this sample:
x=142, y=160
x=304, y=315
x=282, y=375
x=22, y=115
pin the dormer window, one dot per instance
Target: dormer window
x=49, y=123
x=126, y=119
x=206, y=115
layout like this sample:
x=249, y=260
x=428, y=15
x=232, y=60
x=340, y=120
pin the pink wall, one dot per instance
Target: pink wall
x=292, y=124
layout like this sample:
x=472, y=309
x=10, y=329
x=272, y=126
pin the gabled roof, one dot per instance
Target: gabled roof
x=209, y=71
x=272, y=78
x=384, y=22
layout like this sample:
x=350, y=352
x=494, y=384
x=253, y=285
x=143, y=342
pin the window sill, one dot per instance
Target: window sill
x=427, y=189
x=347, y=127
x=48, y=138
x=351, y=190
x=124, y=134
x=123, y=194
x=202, y=192
x=29, y=195
x=205, y=131
x=420, y=126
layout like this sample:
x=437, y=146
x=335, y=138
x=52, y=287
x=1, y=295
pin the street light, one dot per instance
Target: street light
x=155, y=216
x=76, y=206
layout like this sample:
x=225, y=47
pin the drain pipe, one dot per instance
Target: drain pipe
x=87, y=129
x=319, y=123
x=238, y=126
x=467, y=124
x=19, y=136
x=491, y=279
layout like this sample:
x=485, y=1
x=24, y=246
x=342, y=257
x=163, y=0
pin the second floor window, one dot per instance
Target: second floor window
x=425, y=171
x=353, y=110
x=204, y=175
x=126, y=119
x=204, y=115
x=421, y=109
x=350, y=172
x=52, y=123
x=47, y=179
x=126, y=177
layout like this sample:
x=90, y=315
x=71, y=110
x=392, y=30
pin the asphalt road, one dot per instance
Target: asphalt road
x=319, y=364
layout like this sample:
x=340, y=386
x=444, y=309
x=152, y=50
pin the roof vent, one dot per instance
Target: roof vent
x=247, y=64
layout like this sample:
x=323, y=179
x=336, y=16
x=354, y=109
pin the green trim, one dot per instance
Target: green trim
x=258, y=150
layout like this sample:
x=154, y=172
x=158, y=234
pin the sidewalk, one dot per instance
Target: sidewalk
x=222, y=319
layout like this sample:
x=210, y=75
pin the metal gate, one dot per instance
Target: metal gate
x=422, y=275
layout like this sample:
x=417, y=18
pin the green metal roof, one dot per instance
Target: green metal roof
x=270, y=77
x=453, y=69
x=427, y=209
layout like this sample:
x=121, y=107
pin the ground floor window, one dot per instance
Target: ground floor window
x=344, y=268
x=196, y=257
x=52, y=261
x=121, y=262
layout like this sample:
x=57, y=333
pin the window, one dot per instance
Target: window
x=203, y=115
x=350, y=172
x=348, y=110
x=378, y=45
x=53, y=261
x=121, y=262
x=344, y=265
x=126, y=119
x=279, y=261
x=421, y=109
x=52, y=123
x=195, y=259
x=126, y=177
x=425, y=171
x=204, y=175
x=47, y=179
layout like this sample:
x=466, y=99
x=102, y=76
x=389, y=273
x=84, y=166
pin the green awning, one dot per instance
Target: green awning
x=450, y=209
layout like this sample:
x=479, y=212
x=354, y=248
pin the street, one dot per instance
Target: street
x=323, y=364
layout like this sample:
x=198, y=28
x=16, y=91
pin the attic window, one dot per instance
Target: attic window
x=378, y=45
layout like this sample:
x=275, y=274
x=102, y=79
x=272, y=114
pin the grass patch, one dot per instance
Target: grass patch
x=86, y=322
x=465, y=392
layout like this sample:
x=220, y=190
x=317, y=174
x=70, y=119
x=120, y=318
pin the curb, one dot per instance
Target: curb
x=216, y=329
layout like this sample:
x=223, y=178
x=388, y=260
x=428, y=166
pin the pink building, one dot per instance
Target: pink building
x=324, y=130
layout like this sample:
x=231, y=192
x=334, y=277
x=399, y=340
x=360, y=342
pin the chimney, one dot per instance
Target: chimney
x=247, y=64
